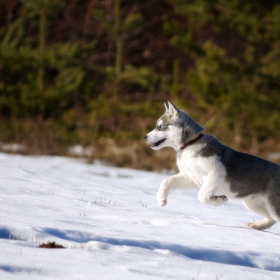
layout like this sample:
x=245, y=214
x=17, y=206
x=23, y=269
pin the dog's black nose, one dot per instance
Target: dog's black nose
x=145, y=137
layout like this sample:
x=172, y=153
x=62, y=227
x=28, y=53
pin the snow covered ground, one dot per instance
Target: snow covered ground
x=110, y=221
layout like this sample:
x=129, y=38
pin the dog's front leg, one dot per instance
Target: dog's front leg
x=178, y=181
x=211, y=184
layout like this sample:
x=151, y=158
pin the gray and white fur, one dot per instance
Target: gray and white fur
x=220, y=172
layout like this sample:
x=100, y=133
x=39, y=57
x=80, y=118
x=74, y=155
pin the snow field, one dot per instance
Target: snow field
x=109, y=220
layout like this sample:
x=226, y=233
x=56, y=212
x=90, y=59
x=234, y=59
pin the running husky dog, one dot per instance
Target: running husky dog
x=218, y=170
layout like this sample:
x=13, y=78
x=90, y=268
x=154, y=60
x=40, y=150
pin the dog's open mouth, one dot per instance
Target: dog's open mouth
x=158, y=142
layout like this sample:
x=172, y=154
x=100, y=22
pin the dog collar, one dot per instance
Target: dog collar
x=191, y=142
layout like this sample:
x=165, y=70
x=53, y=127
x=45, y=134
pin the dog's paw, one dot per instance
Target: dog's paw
x=253, y=226
x=219, y=200
x=249, y=225
x=260, y=225
x=214, y=200
x=162, y=197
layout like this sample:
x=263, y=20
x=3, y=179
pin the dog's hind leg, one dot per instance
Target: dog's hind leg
x=178, y=181
x=260, y=205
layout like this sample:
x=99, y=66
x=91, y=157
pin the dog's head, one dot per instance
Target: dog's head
x=173, y=129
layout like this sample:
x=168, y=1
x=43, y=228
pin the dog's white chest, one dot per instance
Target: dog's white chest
x=197, y=168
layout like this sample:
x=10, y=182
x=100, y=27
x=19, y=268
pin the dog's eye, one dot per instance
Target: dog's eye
x=162, y=126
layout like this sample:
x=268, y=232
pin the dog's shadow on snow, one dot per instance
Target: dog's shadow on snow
x=243, y=258
x=5, y=233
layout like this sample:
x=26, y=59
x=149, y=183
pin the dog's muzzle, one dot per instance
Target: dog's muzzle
x=156, y=143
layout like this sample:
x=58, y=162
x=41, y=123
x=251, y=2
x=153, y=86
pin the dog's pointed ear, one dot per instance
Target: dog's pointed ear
x=172, y=110
x=166, y=107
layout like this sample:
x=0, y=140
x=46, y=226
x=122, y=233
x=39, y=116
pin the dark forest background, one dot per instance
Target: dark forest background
x=96, y=73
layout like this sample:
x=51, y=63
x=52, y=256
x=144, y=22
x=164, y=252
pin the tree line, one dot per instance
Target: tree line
x=79, y=71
